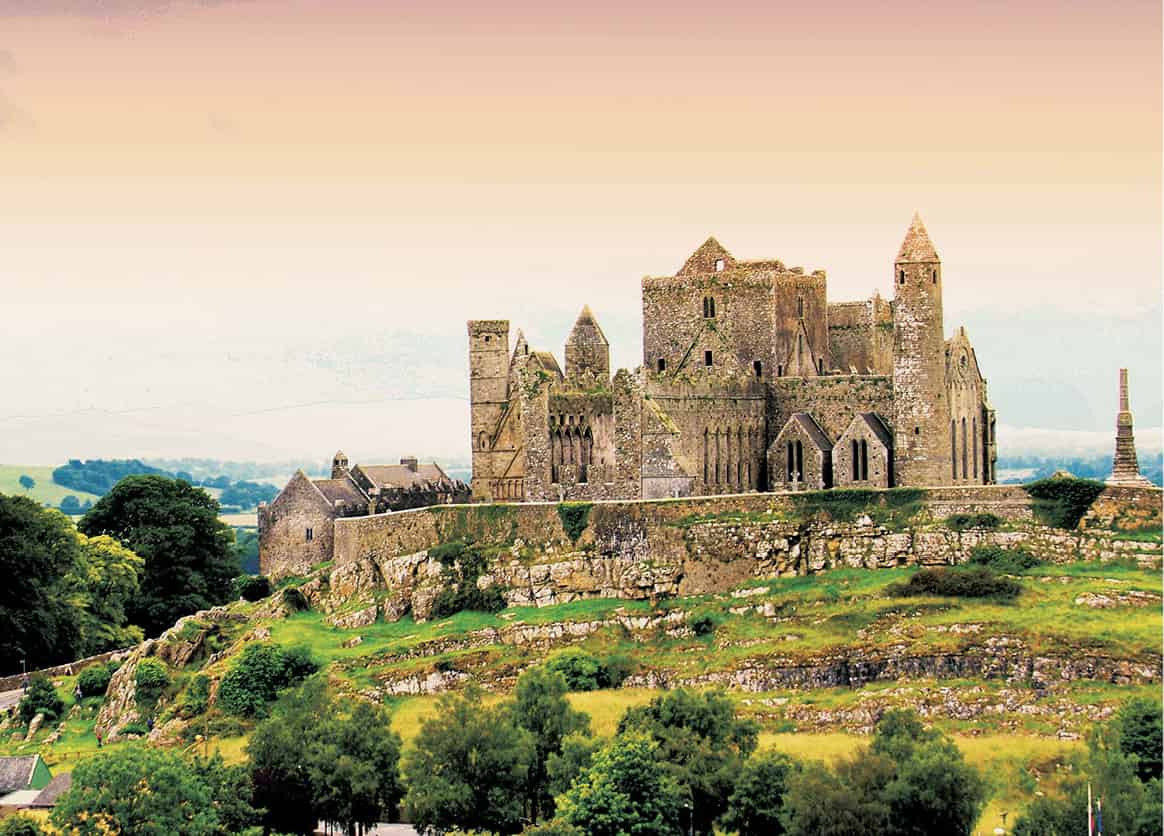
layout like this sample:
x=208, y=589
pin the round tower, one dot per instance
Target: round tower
x=488, y=394
x=921, y=412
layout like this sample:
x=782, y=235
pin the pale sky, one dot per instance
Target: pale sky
x=255, y=230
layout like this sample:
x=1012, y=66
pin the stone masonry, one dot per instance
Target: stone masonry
x=734, y=354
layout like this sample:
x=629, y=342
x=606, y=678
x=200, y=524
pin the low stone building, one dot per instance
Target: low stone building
x=297, y=529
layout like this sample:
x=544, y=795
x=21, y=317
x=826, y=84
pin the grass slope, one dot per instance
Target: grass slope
x=45, y=490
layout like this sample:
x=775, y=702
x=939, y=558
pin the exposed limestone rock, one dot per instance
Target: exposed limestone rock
x=120, y=706
x=1131, y=598
x=353, y=620
x=354, y=641
x=34, y=727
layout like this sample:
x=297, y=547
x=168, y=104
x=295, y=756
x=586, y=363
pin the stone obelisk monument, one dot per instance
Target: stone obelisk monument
x=1125, y=469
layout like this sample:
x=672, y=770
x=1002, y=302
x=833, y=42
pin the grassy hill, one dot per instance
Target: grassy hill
x=46, y=491
x=1012, y=718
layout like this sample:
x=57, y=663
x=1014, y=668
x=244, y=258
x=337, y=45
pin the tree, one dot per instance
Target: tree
x=316, y=759
x=469, y=767
x=820, y=803
x=70, y=505
x=701, y=742
x=756, y=805
x=1138, y=726
x=41, y=698
x=624, y=792
x=934, y=791
x=279, y=776
x=138, y=790
x=107, y=578
x=38, y=616
x=259, y=674
x=541, y=708
x=564, y=766
x=27, y=482
x=21, y=825
x=189, y=555
x=353, y=766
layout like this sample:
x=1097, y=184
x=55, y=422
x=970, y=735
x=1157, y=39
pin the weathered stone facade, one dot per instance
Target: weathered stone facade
x=732, y=350
x=296, y=531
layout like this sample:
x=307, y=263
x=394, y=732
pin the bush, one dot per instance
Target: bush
x=703, y=624
x=961, y=522
x=197, y=697
x=41, y=698
x=151, y=679
x=575, y=517
x=94, y=680
x=584, y=671
x=252, y=587
x=463, y=563
x=973, y=582
x=259, y=674
x=1003, y=560
x=1061, y=502
x=21, y=825
x=294, y=600
x=136, y=727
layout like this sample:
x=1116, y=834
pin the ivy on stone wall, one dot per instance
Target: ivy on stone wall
x=575, y=517
x=1061, y=502
x=892, y=508
x=463, y=562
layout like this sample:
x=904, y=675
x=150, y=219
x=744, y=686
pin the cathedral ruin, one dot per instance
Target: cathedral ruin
x=751, y=381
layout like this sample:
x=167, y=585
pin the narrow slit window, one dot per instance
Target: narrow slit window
x=864, y=460
x=310, y=535
x=707, y=358
x=662, y=364
x=758, y=368
x=901, y=276
x=856, y=460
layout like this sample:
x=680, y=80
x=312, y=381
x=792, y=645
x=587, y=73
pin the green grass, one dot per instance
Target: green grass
x=45, y=490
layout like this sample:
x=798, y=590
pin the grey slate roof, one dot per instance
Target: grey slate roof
x=57, y=787
x=877, y=426
x=813, y=430
x=16, y=772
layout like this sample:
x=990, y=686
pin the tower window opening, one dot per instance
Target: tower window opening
x=800, y=306
x=917, y=430
x=487, y=338
x=780, y=370
x=864, y=460
x=820, y=365
x=901, y=277
x=758, y=368
x=719, y=265
x=662, y=365
x=707, y=358
x=854, y=451
x=953, y=450
x=310, y=535
x=935, y=274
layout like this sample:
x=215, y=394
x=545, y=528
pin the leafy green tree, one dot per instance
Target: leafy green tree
x=70, y=505
x=756, y=804
x=1138, y=726
x=934, y=791
x=701, y=742
x=353, y=766
x=279, y=775
x=189, y=554
x=27, y=482
x=231, y=790
x=564, y=766
x=624, y=792
x=107, y=579
x=94, y=680
x=819, y=802
x=151, y=679
x=41, y=698
x=138, y=790
x=38, y=613
x=469, y=767
x=899, y=732
x=541, y=708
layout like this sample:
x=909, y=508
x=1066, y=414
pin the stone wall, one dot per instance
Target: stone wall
x=284, y=547
x=861, y=336
x=832, y=400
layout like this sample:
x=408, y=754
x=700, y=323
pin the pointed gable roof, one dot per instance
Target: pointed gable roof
x=703, y=260
x=811, y=429
x=872, y=421
x=917, y=246
x=586, y=329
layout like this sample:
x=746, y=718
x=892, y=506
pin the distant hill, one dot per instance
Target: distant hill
x=1018, y=469
x=44, y=491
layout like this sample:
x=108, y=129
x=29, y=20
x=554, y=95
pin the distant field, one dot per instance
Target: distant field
x=45, y=490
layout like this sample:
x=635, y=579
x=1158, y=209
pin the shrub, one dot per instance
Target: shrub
x=252, y=587
x=151, y=679
x=575, y=517
x=961, y=522
x=294, y=600
x=463, y=563
x=1003, y=560
x=41, y=698
x=584, y=671
x=21, y=825
x=135, y=727
x=259, y=674
x=1062, y=501
x=197, y=697
x=94, y=680
x=972, y=582
x=703, y=624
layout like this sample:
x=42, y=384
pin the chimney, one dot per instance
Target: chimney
x=409, y=462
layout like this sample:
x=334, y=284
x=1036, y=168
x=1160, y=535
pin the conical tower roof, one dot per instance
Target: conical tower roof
x=586, y=329
x=917, y=246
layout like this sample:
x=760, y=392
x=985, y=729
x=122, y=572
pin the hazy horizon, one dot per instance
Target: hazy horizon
x=254, y=229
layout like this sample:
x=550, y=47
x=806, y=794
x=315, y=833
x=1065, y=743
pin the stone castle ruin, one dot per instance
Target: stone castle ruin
x=751, y=381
